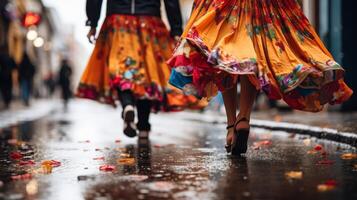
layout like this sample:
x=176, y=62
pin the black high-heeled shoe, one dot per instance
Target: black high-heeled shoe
x=229, y=146
x=240, y=139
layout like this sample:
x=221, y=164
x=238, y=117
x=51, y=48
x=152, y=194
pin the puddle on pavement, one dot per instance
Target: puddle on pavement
x=200, y=170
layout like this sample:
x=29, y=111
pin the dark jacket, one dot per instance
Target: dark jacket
x=26, y=69
x=136, y=7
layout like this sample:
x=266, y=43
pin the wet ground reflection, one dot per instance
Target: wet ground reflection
x=185, y=162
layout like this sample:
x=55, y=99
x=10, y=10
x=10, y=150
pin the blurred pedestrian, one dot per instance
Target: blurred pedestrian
x=263, y=44
x=7, y=65
x=26, y=75
x=50, y=83
x=64, y=81
x=129, y=59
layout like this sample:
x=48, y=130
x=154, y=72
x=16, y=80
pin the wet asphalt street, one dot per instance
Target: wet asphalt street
x=184, y=159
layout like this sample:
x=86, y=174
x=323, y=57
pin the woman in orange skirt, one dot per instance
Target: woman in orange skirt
x=129, y=60
x=265, y=45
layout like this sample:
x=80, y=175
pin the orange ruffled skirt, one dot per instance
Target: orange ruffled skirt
x=271, y=41
x=130, y=54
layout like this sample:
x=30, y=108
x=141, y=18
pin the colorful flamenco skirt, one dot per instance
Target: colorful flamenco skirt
x=271, y=41
x=130, y=54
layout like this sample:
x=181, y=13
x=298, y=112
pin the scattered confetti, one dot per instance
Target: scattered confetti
x=107, y=168
x=22, y=177
x=327, y=186
x=294, y=175
x=99, y=158
x=84, y=141
x=15, y=155
x=97, y=149
x=53, y=163
x=117, y=141
x=27, y=163
x=126, y=161
x=349, y=156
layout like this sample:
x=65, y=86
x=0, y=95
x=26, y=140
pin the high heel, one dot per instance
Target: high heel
x=229, y=146
x=240, y=139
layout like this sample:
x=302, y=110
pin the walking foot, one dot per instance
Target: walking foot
x=129, y=125
x=230, y=132
x=240, y=137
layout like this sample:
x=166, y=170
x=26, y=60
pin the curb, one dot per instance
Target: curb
x=313, y=131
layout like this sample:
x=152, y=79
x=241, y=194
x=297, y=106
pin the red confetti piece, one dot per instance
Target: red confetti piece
x=97, y=149
x=327, y=186
x=22, y=177
x=318, y=148
x=99, y=158
x=27, y=163
x=331, y=182
x=107, y=168
x=15, y=155
x=53, y=163
x=117, y=141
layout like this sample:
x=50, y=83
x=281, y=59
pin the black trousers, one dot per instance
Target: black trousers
x=143, y=107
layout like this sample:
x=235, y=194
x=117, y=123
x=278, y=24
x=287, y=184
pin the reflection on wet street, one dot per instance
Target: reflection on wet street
x=82, y=154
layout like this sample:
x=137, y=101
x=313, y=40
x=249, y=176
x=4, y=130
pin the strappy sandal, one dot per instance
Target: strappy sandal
x=240, y=139
x=129, y=125
x=228, y=146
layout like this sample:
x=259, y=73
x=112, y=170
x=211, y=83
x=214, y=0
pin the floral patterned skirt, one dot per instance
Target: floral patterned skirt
x=130, y=54
x=271, y=41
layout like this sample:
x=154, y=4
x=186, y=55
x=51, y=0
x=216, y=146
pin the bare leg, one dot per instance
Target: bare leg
x=246, y=101
x=230, y=98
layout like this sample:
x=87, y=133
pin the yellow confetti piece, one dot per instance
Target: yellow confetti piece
x=349, y=156
x=294, y=175
x=124, y=155
x=46, y=168
x=325, y=188
x=126, y=161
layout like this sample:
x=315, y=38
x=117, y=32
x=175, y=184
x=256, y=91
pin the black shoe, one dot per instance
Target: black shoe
x=240, y=139
x=129, y=125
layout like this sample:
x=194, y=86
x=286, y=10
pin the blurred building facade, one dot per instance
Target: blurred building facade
x=28, y=27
